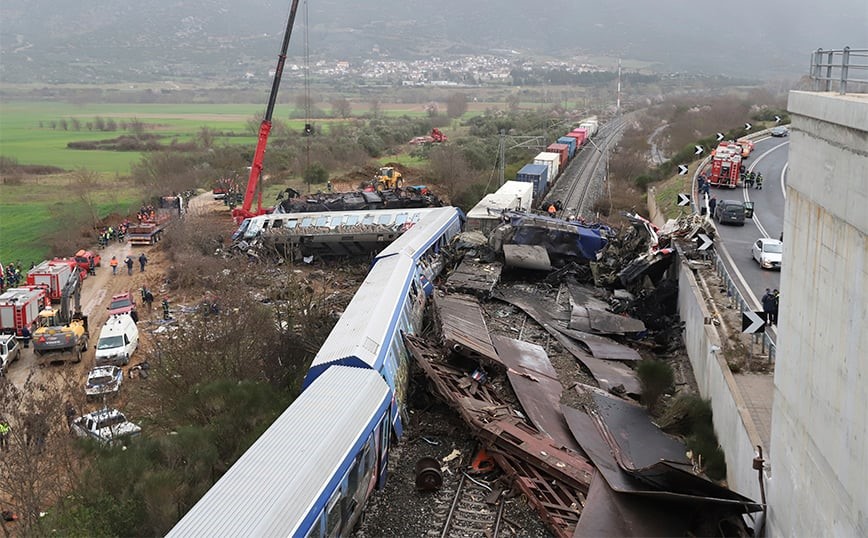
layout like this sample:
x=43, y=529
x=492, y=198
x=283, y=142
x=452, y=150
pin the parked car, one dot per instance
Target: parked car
x=118, y=340
x=768, y=252
x=106, y=426
x=103, y=381
x=123, y=303
x=10, y=351
x=779, y=131
x=730, y=211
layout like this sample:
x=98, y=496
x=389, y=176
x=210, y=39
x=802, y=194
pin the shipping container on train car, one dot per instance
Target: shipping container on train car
x=571, y=142
x=552, y=160
x=592, y=124
x=512, y=195
x=538, y=174
x=563, y=150
x=581, y=136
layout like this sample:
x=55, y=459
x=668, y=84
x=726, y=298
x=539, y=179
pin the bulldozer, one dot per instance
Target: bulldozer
x=61, y=334
x=388, y=178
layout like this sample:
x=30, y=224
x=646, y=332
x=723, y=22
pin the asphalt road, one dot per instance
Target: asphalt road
x=770, y=157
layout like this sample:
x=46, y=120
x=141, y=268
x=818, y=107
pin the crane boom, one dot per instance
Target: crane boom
x=244, y=211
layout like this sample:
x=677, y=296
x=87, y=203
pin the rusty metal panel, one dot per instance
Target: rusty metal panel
x=609, y=513
x=523, y=356
x=532, y=257
x=474, y=277
x=640, y=443
x=559, y=505
x=520, y=441
x=535, y=382
x=600, y=346
x=659, y=481
x=463, y=328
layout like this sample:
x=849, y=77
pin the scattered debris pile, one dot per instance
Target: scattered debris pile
x=601, y=469
x=408, y=197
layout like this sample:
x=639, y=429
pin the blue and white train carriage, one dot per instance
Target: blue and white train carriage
x=391, y=300
x=311, y=471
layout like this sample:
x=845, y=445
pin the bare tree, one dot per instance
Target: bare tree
x=206, y=137
x=375, y=107
x=456, y=105
x=448, y=168
x=87, y=185
x=39, y=461
x=342, y=108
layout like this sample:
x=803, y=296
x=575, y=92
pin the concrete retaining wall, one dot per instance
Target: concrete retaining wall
x=735, y=429
x=819, y=483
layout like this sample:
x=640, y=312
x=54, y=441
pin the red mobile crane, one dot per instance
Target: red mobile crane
x=244, y=212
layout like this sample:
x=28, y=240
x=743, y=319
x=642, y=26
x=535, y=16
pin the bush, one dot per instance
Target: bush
x=656, y=378
x=690, y=416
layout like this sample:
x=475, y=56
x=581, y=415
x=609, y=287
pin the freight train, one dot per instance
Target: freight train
x=311, y=472
x=548, y=165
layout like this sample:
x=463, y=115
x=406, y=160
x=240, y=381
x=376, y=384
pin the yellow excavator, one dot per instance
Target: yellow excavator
x=389, y=178
x=61, y=334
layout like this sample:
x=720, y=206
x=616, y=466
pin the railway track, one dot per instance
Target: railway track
x=578, y=184
x=470, y=515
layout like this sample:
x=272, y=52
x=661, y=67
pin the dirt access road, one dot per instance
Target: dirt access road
x=96, y=293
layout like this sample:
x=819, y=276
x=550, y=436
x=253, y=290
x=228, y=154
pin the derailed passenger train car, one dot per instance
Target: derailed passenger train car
x=310, y=473
x=390, y=301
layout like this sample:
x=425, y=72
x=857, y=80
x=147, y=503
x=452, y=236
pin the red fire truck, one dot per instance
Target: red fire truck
x=725, y=165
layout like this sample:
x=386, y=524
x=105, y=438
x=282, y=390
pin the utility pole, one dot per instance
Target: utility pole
x=618, y=106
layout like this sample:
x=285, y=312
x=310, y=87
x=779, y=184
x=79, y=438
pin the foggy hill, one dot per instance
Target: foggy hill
x=109, y=41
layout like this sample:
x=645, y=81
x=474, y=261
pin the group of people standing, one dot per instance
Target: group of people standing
x=752, y=178
x=128, y=261
x=770, y=302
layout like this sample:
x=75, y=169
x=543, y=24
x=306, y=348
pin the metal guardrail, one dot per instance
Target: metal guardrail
x=733, y=292
x=831, y=69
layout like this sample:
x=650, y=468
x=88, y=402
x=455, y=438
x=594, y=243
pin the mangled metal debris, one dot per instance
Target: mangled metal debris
x=555, y=480
x=356, y=200
x=533, y=257
x=632, y=455
x=535, y=383
x=463, y=328
x=561, y=239
x=475, y=277
x=610, y=374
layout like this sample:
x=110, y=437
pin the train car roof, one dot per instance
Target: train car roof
x=271, y=489
x=331, y=219
x=423, y=234
x=359, y=336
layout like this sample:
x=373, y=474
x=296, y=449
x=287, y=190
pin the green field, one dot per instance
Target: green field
x=28, y=135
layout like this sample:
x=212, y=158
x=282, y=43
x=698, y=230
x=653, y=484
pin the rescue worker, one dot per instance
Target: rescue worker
x=552, y=210
x=759, y=181
x=165, y=308
x=711, y=205
x=114, y=265
x=143, y=260
x=768, y=306
x=25, y=336
x=4, y=434
x=129, y=263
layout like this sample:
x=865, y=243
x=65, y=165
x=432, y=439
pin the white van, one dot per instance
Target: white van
x=118, y=340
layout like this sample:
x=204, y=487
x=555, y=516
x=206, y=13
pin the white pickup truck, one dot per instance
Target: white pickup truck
x=106, y=426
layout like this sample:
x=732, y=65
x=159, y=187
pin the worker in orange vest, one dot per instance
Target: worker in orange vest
x=114, y=265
